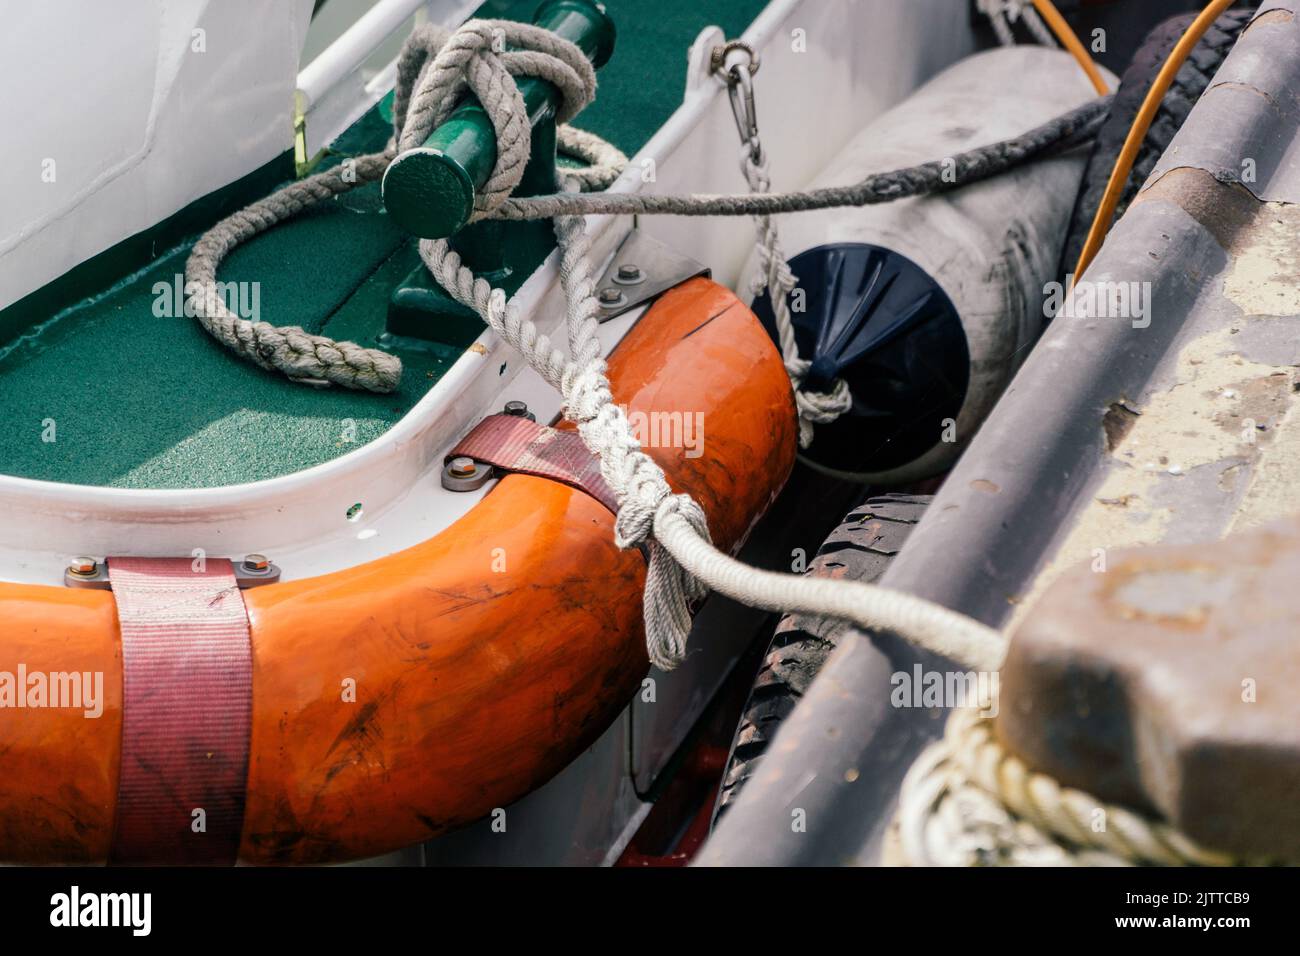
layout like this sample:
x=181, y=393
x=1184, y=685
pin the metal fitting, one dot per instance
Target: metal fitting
x=610, y=298
x=518, y=409
x=629, y=273
x=84, y=567
x=718, y=57
x=465, y=474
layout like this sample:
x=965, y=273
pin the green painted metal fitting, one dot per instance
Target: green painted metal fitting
x=430, y=190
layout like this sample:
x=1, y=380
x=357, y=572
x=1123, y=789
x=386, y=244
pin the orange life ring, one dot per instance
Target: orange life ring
x=474, y=684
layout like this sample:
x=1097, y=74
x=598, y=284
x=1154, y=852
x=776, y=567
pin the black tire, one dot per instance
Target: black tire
x=859, y=549
x=1192, y=80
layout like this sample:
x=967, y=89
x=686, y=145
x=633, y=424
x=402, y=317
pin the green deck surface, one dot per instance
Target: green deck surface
x=140, y=401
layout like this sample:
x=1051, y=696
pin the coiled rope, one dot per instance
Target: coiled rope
x=434, y=69
x=968, y=802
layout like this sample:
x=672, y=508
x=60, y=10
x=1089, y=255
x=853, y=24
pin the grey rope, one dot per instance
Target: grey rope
x=1064, y=132
x=433, y=69
x=774, y=274
x=815, y=407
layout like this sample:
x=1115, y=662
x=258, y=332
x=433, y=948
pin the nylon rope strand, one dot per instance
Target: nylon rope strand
x=1064, y=132
x=774, y=274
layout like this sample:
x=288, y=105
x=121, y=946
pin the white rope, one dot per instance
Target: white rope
x=815, y=408
x=683, y=562
x=968, y=802
x=433, y=70
x=638, y=483
x=605, y=161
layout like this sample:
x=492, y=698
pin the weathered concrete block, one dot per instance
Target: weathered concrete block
x=1170, y=682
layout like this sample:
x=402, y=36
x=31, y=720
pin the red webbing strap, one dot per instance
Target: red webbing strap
x=514, y=443
x=187, y=695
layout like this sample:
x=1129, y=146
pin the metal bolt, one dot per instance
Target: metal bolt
x=610, y=297
x=462, y=467
x=84, y=567
x=629, y=273
x=463, y=473
x=516, y=408
x=257, y=563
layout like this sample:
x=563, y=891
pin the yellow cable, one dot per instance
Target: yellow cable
x=1047, y=10
x=1138, y=131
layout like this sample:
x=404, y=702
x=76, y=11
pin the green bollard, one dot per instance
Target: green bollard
x=430, y=191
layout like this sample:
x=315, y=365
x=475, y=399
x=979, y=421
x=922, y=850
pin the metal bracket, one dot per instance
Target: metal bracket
x=642, y=269
x=96, y=579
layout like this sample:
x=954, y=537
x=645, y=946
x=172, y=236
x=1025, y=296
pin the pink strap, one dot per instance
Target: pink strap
x=187, y=674
x=513, y=443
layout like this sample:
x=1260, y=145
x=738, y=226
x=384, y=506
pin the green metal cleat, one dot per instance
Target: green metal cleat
x=430, y=190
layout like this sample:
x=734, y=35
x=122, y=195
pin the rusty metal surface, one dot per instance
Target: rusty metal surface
x=1164, y=682
x=1119, y=430
x=1253, y=102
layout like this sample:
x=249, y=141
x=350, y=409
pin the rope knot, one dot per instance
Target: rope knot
x=690, y=511
x=484, y=56
x=669, y=588
x=645, y=489
x=816, y=408
x=587, y=393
